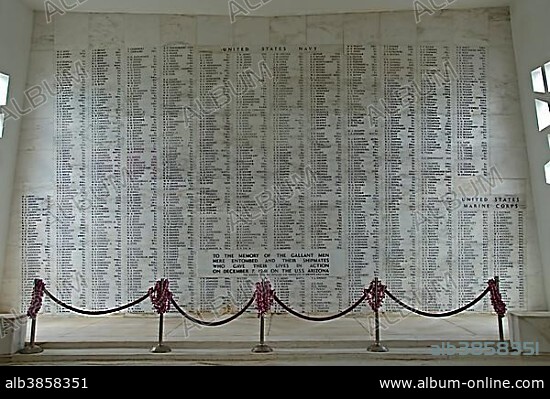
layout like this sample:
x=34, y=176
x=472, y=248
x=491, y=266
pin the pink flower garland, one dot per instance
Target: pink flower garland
x=264, y=297
x=36, y=300
x=496, y=299
x=375, y=298
x=161, y=296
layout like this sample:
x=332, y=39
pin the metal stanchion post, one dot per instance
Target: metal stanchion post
x=262, y=347
x=377, y=346
x=500, y=325
x=32, y=348
x=161, y=348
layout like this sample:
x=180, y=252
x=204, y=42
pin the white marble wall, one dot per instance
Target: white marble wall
x=488, y=28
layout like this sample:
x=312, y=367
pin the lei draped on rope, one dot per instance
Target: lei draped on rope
x=36, y=300
x=264, y=297
x=376, y=293
x=496, y=299
x=161, y=296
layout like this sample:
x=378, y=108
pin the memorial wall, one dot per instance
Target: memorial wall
x=318, y=151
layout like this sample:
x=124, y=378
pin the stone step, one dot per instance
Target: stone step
x=288, y=356
x=243, y=344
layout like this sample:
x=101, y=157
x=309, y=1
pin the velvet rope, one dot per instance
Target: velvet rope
x=212, y=323
x=94, y=312
x=445, y=314
x=322, y=318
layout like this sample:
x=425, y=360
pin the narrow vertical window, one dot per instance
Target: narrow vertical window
x=543, y=114
x=547, y=73
x=4, y=83
x=540, y=78
x=537, y=79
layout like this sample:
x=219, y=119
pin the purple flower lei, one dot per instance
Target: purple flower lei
x=36, y=300
x=264, y=297
x=161, y=296
x=496, y=299
x=376, y=294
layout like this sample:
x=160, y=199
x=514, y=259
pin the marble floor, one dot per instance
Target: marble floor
x=128, y=339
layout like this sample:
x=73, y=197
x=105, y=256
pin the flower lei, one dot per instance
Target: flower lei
x=161, y=296
x=496, y=299
x=36, y=300
x=264, y=297
x=376, y=294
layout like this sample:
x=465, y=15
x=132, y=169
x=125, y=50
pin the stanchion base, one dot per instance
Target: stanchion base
x=161, y=349
x=262, y=348
x=377, y=347
x=31, y=350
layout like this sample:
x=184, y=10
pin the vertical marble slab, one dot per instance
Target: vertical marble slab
x=106, y=30
x=141, y=30
x=510, y=161
x=41, y=68
x=37, y=173
x=500, y=29
x=43, y=32
x=397, y=28
x=325, y=29
x=506, y=130
x=287, y=30
x=41, y=86
x=471, y=27
x=250, y=31
x=361, y=28
x=14, y=239
x=214, y=31
x=365, y=41
x=71, y=31
x=436, y=29
x=36, y=134
x=502, y=81
x=507, y=186
x=178, y=29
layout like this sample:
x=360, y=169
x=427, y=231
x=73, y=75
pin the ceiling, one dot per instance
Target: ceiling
x=269, y=8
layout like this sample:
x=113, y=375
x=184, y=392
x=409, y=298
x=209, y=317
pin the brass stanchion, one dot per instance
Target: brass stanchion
x=161, y=348
x=32, y=348
x=262, y=347
x=377, y=346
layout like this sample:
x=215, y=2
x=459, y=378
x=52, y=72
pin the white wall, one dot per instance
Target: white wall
x=15, y=40
x=37, y=179
x=530, y=26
